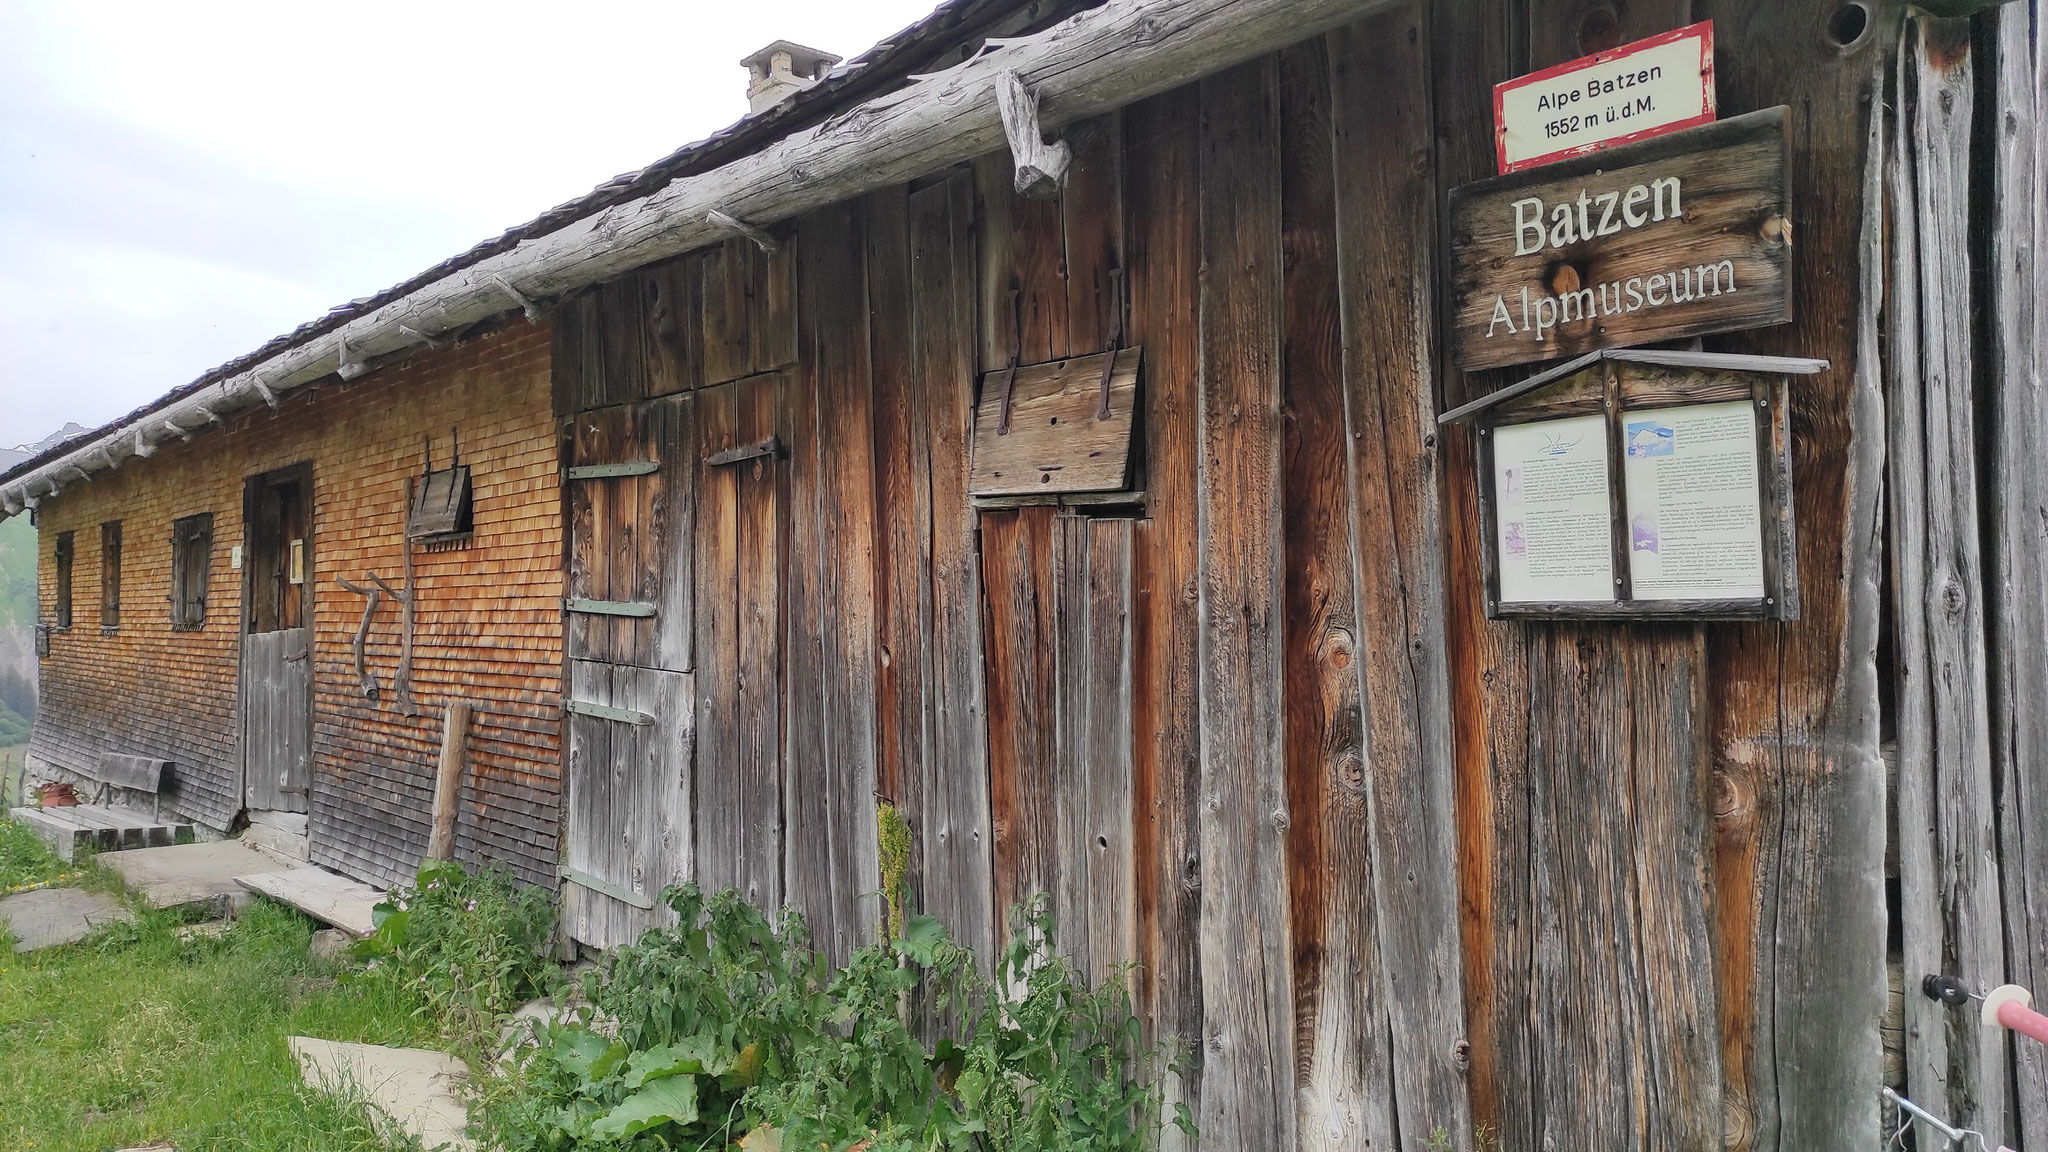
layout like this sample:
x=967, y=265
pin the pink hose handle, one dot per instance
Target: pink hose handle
x=2023, y=1020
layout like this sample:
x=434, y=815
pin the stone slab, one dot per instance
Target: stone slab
x=323, y=895
x=188, y=874
x=49, y=917
x=413, y=1088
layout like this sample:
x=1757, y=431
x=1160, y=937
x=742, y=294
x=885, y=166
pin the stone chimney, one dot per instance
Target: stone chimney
x=781, y=70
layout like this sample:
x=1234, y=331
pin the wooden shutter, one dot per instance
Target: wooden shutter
x=64, y=548
x=110, y=574
x=191, y=567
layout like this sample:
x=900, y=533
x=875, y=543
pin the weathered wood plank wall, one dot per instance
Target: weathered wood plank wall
x=1737, y=780
x=2015, y=400
x=1950, y=910
x=1388, y=868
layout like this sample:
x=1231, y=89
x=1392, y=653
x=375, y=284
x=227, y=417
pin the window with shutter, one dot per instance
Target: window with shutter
x=64, y=547
x=110, y=574
x=191, y=566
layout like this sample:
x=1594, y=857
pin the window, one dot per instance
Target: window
x=63, y=579
x=191, y=564
x=110, y=574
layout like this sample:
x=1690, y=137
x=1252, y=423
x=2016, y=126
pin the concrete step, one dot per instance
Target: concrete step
x=99, y=828
x=190, y=875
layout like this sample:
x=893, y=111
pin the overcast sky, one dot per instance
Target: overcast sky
x=179, y=182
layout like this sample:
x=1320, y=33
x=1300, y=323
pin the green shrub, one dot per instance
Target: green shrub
x=471, y=948
x=729, y=1023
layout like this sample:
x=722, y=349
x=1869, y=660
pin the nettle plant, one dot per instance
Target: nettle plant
x=470, y=947
x=729, y=1028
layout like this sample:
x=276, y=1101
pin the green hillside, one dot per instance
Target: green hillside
x=17, y=573
x=17, y=618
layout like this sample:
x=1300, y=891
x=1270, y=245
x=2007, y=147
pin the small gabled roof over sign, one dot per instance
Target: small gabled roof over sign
x=1716, y=361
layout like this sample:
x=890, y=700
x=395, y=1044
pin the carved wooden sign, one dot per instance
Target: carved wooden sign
x=1676, y=236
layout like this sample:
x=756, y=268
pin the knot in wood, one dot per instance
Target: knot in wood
x=1461, y=1053
x=1734, y=796
x=1351, y=774
x=1281, y=820
x=1954, y=597
x=1148, y=29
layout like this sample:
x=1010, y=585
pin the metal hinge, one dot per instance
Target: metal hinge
x=772, y=446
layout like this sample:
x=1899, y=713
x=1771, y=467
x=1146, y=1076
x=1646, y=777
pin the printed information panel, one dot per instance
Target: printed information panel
x=1556, y=523
x=1634, y=92
x=1695, y=530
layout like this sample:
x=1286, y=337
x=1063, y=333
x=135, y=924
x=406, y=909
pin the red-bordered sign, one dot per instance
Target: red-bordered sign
x=1653, y=86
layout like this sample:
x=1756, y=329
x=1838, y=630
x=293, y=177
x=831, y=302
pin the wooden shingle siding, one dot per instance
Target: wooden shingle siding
x=489, y=615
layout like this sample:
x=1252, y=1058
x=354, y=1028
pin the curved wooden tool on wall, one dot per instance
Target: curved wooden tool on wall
x=366, y=682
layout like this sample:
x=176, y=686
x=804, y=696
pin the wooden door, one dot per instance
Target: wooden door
x=741, y=551
x=631, y=736
x=277, y=674
x=276, y=707
x=632, y=484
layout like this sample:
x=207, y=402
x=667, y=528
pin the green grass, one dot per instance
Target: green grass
x=25, y=859
x=137, y=1035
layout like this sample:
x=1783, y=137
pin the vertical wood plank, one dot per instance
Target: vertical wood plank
x=1092, y=230
x=902, y=514
x=588, y=803
x=728, y=345
x=832, y=848
x=624, y=343
x=1105, y=903
x=1090, y=776
x=722, y=826
x=1162, y=221
x=1800, y=790
x=995, y=276
x=1670, y=812
x=1384, y=210
x=775, y=305
x=1948, y=850
x=954, y=836
x=670, y=294
x=1247, y=1081
x=806, y=856
x=1020, y=636
x=669, y=580
x=1473, y=45
x=1345, y=1096
x=2018, y=442
x=762, y=529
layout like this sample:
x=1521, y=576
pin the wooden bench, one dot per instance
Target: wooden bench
x=139, y=773
x=100, y=828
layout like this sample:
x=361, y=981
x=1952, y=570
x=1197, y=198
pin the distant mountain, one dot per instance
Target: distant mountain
x=9, y=457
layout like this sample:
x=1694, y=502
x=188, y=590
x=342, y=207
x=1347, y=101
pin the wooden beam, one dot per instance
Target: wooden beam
x=606, y=712
x=448, y=780
x=613, y=471
x=607, y=607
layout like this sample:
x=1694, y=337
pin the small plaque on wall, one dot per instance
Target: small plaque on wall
x=1640, y=485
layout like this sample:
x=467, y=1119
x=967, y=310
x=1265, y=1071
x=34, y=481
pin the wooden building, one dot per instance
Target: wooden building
x=1110, y=532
